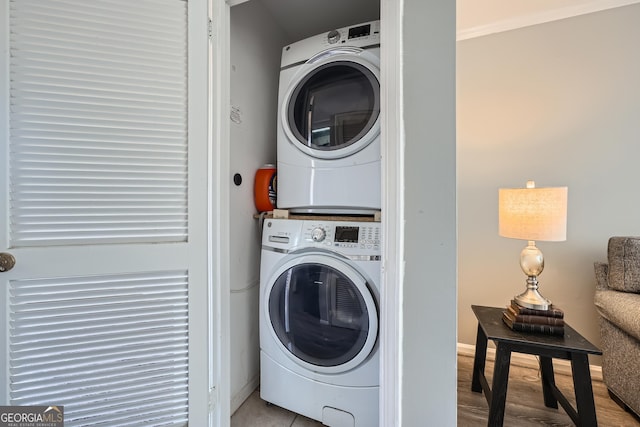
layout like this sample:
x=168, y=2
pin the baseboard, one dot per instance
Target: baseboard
x=560, y=366
x=243, y=394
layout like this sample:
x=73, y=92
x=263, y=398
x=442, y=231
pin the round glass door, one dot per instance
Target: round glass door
x=322, y=316
x=334, y=106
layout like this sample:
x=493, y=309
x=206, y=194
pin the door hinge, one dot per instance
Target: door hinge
x=210, y=26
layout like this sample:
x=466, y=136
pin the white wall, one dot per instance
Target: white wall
x=256, y=45
x=429, y=289
x=558, y=103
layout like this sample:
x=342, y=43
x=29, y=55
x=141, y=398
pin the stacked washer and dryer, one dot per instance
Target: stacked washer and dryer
x=320, y=274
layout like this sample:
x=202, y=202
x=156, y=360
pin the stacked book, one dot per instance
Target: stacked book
x=523, y=319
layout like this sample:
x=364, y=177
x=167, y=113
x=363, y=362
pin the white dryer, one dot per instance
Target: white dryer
x=328, y=139
x=319, y=289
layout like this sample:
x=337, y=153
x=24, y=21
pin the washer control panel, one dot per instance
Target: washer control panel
x=352, y=235
x=351, y=238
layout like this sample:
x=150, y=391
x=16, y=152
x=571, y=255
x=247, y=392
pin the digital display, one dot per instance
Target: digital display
x=347, y=234
x=361, y=31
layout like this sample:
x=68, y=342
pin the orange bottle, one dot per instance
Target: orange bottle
x=264, y=188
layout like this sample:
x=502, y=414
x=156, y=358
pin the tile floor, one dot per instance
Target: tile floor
x=255, y=412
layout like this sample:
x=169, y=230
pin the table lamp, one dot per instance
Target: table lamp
x=533, y=214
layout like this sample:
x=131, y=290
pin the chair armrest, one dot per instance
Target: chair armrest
x=602, y=274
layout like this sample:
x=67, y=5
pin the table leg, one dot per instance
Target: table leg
x=548, y=379
x=479, y=360
x=583, y=389
x=499, y=385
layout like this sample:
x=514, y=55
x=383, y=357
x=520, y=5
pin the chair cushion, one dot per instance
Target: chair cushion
x=624, y=264
x=621, y=309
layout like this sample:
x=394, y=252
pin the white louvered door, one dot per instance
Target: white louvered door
x=104, y=205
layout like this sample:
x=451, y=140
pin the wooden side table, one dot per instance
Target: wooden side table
x=572, y=346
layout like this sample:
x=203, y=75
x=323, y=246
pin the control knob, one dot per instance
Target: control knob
x=333, y=37
x=318, y=234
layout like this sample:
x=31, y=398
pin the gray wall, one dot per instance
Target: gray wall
x=558, y=103
x=429, y=288
x=256, y=45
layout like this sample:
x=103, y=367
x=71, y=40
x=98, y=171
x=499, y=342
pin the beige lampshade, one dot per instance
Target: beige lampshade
x=533, y=213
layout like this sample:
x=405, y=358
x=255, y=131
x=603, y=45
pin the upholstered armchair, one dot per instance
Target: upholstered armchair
x=617, y=300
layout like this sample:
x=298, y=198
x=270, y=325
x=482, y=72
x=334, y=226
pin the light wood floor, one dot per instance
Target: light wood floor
x=524, y=407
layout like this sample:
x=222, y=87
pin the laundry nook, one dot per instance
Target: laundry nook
x=305, y=123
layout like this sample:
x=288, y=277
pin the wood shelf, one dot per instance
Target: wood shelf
x=285, y=214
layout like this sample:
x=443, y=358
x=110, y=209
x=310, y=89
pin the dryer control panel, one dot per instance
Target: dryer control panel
x=362, y=35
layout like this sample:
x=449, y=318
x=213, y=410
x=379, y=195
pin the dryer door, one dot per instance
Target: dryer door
x=333, y=105
x=322, y=313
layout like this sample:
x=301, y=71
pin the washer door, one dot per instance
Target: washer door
x=332, y=108
x=322, y=313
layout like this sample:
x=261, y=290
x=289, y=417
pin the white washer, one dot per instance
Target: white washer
x=319, y=289
x=328, y=138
